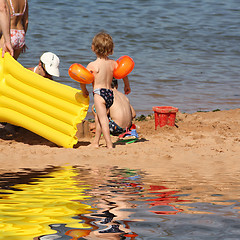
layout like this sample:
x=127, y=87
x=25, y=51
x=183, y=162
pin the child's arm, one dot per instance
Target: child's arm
x=84, y=90
x=127, y=88
x=83, y=86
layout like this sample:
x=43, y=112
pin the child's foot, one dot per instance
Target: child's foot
x=93, y=145
x=109, y=146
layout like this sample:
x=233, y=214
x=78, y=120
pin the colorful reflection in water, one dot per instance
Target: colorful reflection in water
x=165, y=197
x=56, y=198
x=109, y=203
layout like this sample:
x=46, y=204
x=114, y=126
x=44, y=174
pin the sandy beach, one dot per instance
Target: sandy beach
x=202, y=145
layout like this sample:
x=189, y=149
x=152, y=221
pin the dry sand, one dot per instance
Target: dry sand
x=204, y=146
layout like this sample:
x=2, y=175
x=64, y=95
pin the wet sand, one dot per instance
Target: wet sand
x=204, y=146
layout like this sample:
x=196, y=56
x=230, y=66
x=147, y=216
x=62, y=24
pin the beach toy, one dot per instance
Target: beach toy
x=43, y=106
x=125, y=66
x=132, y=133
x=164, y=115
x=79, y=73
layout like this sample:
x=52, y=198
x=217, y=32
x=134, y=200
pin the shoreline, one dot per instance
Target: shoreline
x=204, y=145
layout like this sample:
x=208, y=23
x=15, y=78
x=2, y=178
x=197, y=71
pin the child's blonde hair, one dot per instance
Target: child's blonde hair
x=103, y=44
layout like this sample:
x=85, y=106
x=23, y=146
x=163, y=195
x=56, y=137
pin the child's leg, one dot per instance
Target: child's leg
x=102, y=120
x=98, y=132
x=98, y=129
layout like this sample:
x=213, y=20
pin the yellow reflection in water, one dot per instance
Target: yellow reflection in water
x=54, y=199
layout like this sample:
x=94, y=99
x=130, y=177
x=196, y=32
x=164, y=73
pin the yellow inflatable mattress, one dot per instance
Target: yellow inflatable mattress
x=45, y=107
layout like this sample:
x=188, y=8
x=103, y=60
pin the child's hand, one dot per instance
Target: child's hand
x=127, y=90
x=85, y=93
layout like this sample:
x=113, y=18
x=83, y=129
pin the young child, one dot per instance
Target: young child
x=102, y=69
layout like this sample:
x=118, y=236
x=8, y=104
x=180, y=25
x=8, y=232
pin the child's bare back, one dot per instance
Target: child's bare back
x=103, y=72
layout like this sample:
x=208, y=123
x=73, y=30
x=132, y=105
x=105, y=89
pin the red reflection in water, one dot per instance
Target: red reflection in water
x=131, y=235
x=165, y=198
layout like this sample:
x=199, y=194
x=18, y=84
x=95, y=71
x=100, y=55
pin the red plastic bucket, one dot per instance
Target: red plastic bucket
x=164, y=115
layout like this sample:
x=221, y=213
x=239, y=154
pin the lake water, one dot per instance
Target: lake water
x=116, y=203
x=186, y=53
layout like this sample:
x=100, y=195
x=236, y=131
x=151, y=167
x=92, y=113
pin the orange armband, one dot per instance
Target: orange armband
x=79, y=73
x=125, y=66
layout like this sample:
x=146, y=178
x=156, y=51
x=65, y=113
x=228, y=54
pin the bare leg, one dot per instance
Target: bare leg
x=98, y=132
x=17, y=52
x=101, y=121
